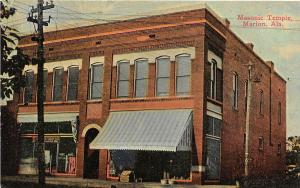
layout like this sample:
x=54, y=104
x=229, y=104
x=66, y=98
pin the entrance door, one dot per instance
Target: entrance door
x=212, y=158
x=51, y=157
x=91, y=157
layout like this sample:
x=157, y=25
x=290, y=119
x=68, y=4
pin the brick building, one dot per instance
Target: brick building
x=164, y=96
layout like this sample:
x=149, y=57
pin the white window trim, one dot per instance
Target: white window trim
x=135, y=74
x=213, y=78
x=117, y=84
x=53, y=79
x=190, y=73
x=153, y=55
x=90, y=79
x=67, y=93
x=156, y=71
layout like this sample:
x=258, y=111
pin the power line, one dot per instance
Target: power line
x=266, y=28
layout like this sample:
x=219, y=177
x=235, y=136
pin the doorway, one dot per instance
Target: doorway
x=91, y=157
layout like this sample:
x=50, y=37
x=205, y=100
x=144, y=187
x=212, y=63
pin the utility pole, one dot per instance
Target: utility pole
x=40, y=82
x=248, y=110
x=247, y=156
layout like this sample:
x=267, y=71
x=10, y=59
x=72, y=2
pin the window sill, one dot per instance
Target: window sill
x=94, y=101
x=150, y=98
x=235, y=109
x=215, y=101
x=50, y=103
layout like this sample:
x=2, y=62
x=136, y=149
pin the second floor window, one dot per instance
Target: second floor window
x=96, y=81
x=28, y=91
x=261, y=102
x=141, y=77
x=183, y=74
x=73, y=75
x=235, y=90
x=214, y=81
x=58, y=83
x=162, y=76
x=123, y=79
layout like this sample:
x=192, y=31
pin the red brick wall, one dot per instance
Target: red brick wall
x=265, y=162
x=202, y=36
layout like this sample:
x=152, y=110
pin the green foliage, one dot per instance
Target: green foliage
x=13, y=60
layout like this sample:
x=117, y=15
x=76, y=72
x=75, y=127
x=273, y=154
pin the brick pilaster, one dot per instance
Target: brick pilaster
x=198, y=93
x=82, y=97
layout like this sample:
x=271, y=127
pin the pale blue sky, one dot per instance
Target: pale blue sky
x=279, y=45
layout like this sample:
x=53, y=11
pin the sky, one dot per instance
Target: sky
x=281, y=44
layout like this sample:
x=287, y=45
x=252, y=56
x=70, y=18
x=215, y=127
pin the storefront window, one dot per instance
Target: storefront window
x=151, y=166
x=27, y=161
x=60, y=148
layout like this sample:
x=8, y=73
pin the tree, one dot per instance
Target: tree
x=294, y=143
x=13, y=60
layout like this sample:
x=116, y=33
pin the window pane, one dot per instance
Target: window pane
x=217, y=127
x=57, y=95
x=141, y=88
x=123, y=88
x=73, y=74
x=96, y=92
x=183, y=85
x=209, y=125
x=58, y=83
x=72, y=91
x=141, y=69
x=58, y=80
x=73, y=83
x=162, y=86
x=163, y=66
x=97, y=73
x=124, y=71
x=213, y=159
x=183, y=65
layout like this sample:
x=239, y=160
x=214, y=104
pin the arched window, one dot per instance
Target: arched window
x=183, y=74
x=96, y=81
x=162, y=76
x=73, y=77
x=28, y=90
x=58, y=83
x=123, y=79
x=141, y=77
x=213, y=79
x=235, y=90
x=261, y=102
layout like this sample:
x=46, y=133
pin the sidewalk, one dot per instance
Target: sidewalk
x=80, y=182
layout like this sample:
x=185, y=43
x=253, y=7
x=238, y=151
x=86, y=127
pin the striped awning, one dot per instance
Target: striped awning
x=150, y=130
